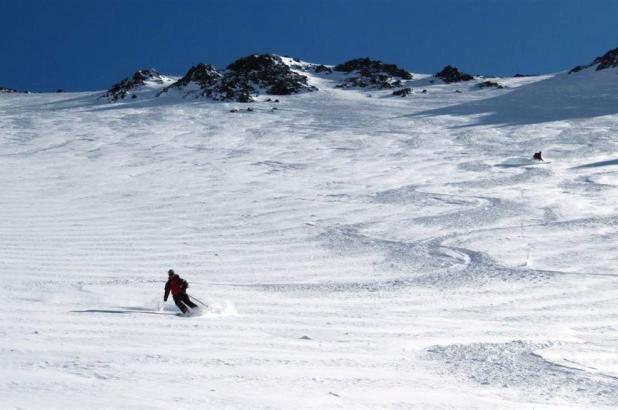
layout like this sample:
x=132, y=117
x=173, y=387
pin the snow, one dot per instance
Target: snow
x=356, y=250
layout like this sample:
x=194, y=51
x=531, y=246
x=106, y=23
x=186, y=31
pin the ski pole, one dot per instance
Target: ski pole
x=198, y=301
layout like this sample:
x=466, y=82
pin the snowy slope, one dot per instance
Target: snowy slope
x=357, y=250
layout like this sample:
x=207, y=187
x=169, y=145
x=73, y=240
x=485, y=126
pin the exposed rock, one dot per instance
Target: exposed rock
x=4, y=90
x=244, y=79
x=490, y=84
x=139, y=78
x=403, y=92
x=321, y=68
x=450, y=74
x=205, y=76
x=607, y=60
x=578, y=68
x=372, y=73
x=266, y=71
x=366, y=67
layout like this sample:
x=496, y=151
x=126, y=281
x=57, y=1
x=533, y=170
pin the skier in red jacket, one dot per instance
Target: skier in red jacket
x=178, y=286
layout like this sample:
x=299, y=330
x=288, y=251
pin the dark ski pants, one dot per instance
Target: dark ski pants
x=182, y=301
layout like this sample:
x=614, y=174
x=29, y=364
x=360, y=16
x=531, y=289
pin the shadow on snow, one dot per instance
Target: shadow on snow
x=598, y=164
x=561, y=97
x=124, y=310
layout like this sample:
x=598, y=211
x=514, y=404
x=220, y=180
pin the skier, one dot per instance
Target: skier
x=178, y=286
x=538, y=156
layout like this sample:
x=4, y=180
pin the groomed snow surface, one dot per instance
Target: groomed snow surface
x=357, y=250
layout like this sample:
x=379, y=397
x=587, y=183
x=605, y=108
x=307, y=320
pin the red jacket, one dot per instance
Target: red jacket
x=177, y=285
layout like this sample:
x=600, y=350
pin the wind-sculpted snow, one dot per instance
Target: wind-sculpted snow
x=451, y=210
x=517, y=364
x=429, y=263
x=534, y=173
x=353, y=249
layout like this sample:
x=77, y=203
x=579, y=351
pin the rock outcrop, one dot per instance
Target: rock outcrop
x=321, y=68
x=490, y=84
x=450, y=74
x=607, y=60
x=203, y=76
x=243, y=80
x=120, y=90
x=267, y=72
x=403, y=92
x=4, y=90
x=365, y=72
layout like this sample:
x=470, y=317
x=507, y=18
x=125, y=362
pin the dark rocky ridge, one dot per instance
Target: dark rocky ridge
x=203, y=75
x=244, y=79
x=607, y=60
x=321, y=68
x=139, y=78
x=450, y=74
x=490, y=84
x=265, y=71
x=403, y=92
x=372, y=73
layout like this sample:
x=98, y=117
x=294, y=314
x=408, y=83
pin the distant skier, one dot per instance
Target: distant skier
x=538, y=156
x=178, y=286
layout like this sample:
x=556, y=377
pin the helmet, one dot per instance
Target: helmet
x=170, y=272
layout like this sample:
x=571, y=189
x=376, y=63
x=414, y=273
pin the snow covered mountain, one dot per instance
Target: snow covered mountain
x=356, y=249
x=141, y=82
x=243, y=80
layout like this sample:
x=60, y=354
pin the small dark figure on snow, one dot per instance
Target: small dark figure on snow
x=538, y=156
x=178, y=286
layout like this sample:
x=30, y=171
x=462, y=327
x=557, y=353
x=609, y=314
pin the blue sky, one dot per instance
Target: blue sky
x=88, y=45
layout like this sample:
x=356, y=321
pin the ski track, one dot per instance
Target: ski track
x=354, y=254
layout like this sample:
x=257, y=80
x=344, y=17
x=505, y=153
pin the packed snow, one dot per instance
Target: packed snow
x=355, y=249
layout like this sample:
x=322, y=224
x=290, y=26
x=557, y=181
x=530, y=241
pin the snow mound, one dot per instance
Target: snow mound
x=519, y=162
x=219, y=309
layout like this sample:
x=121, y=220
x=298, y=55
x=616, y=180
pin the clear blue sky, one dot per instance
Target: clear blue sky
x=88, y=45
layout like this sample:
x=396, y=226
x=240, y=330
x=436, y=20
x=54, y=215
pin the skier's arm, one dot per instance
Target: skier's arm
x=168, y=287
